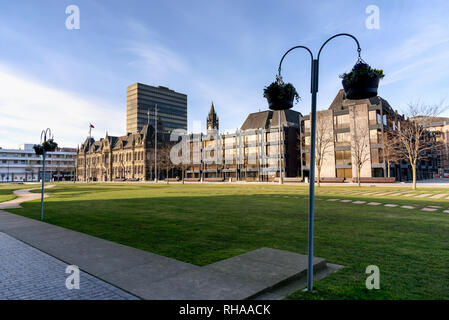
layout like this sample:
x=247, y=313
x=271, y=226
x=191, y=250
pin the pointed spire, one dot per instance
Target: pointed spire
x=212, y=119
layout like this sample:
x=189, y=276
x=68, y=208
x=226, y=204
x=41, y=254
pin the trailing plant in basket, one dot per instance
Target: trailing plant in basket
x=38, y=149
x=49, y=145
x=361, y=71
x=362, y=82
x=280, y=95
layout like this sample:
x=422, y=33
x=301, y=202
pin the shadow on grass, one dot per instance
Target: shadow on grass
x=409, y=246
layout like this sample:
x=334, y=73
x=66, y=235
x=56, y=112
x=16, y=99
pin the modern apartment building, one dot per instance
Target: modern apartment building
x=441, y=126
x=143, y=100
x=23, y=165
x=359, y=127
x=256, y=152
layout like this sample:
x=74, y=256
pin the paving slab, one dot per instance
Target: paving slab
x=396, y=194
x=346, y=201
x=438, y=196
x=409, y=195
x=270, y=267
x=200, y=285
x=333, y=199
x=429, y=209
x=424, y=195
x=359, y=202
x=384, y=193
x=446, y=211
x=281, y=292
x=374, y=203
x=390, y=205
x=435, y=207
x=408, y=207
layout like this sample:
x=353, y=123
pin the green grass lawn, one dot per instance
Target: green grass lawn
x=202, y=224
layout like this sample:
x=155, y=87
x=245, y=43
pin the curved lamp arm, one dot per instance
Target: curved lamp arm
x=302, y=47
x=44, y=134
x=338, y=35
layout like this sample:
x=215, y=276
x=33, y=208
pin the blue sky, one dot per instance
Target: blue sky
x=225, y=51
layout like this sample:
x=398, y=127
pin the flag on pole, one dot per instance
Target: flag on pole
x=91, y=126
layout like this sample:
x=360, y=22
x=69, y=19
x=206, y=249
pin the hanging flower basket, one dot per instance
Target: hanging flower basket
x=38, y=149
x=49, y=145
x=280, y=96
x=362, y=82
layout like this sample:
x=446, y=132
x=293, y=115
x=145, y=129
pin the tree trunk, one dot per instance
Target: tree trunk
x=389, y=169
x=318, y=175
x=182, y=174
x=358, y=175
x=414, y=176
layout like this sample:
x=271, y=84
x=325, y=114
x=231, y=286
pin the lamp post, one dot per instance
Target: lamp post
x=281, y=181
x=43, y=140
x=314, y=91
x=155, y=144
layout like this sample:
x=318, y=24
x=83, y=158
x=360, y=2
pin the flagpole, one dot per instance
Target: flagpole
x=155, y=145
x=88, y=151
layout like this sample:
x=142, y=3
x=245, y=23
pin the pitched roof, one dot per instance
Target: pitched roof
x=118, y=142
x=267, y=119
x=338, y=101
x=337, y=104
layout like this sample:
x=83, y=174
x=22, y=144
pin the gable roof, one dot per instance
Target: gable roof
x=116, y=143
x=268, y=118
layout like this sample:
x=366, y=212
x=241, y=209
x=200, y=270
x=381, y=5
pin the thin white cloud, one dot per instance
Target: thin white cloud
x=423, y=54
x=165, y=66
x=27, y=107
x=157, y=59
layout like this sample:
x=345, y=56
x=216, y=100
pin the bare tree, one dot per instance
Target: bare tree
x=360, y=147
x=300, y=146
x=391, y=149
x=416, y=141
x=324, y=142
x=164, y=158
x=150, y=163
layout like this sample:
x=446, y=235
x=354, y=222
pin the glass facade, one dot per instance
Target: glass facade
x=341, y=121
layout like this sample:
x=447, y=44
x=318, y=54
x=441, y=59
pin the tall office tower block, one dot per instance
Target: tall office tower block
x=142, y=101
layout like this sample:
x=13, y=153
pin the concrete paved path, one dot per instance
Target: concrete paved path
x=151, y=276
x=23, y=195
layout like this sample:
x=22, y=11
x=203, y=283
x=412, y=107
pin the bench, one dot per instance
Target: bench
x=191, y=179
x=213, y=179
x=331, y=180
x=119, y=179
x=289, y=179
x=172, y=179
x=375, y=180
